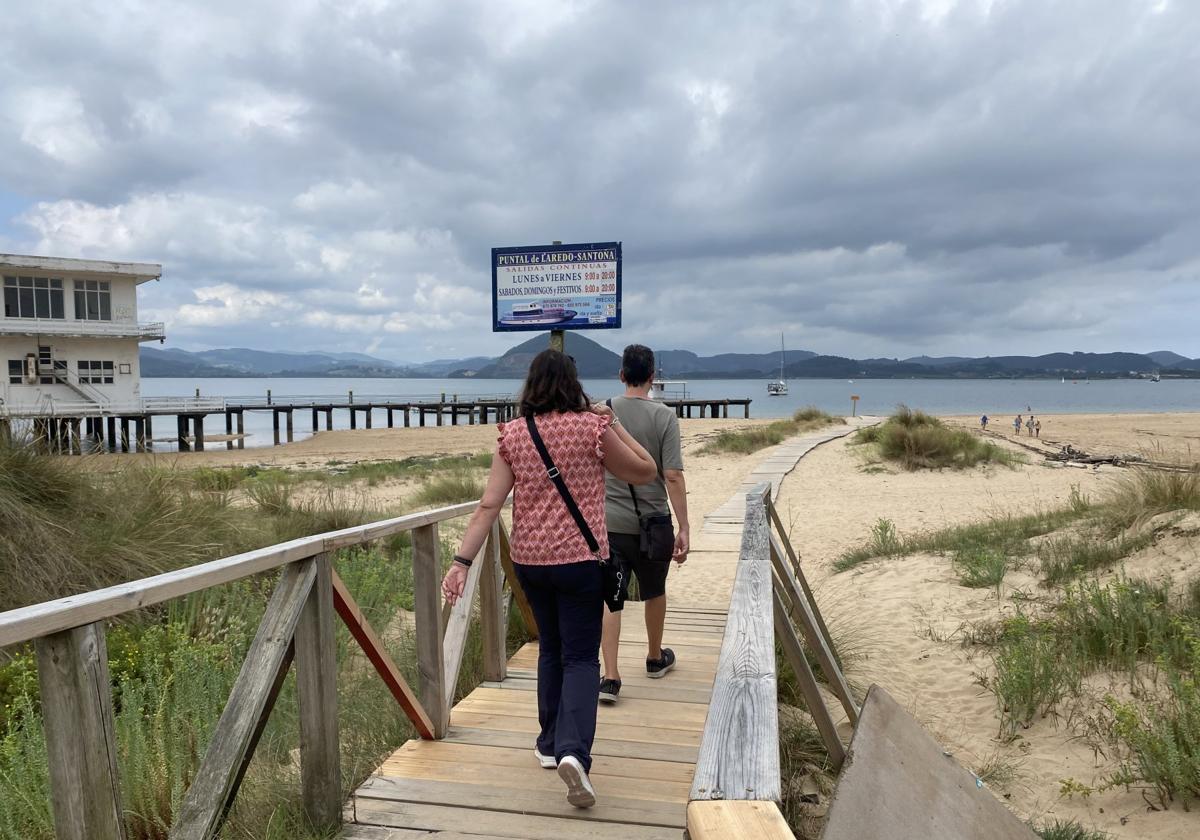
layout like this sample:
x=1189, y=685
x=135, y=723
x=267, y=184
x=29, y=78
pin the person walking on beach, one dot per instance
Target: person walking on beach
x=1029, y=425
x=639, y=519
x=983, y=421
x=1017, y=425
x=559, y=548
x=1037, y=429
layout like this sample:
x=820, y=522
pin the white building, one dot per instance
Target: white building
x=69, y=336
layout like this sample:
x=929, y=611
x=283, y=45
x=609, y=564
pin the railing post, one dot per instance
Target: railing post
x=427, y=574
x=316, y=688
x=492, y=624
x=81, y=744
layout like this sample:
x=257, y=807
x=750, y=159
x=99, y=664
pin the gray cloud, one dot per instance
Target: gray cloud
x=880, y=177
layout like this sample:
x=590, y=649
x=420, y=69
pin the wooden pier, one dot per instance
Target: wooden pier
x=78, y=427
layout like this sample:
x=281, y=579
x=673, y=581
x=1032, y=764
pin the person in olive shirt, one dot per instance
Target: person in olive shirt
x=655, y=427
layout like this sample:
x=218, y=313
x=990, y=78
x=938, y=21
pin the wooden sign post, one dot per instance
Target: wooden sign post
x=558, y=338
x=854, y=405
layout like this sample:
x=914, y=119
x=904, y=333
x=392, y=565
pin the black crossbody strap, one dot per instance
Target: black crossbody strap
x=636, y=510
x=561, y=485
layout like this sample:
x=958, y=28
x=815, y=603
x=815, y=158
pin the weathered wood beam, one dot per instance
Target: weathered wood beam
x=493, y=623
x=427, y=576
x=818, y=641
x=794, y=654
x=456, y=625
x=233, y=741
x=379, y=658
x=514, y=585
x=782, y=539
x=81, y=746
x=28, y=623
x=316, y=688
x=739, y=751
x=736, y=819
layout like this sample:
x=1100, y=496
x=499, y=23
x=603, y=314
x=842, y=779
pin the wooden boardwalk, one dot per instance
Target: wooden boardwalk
x=482, y=781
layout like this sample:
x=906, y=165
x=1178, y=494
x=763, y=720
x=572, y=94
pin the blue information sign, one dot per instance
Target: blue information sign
x=557, y=287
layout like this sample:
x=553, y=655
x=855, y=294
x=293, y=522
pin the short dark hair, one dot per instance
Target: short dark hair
x=552, y=384
x=637, y=364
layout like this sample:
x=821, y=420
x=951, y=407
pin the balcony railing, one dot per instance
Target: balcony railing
x=51, y=407
x=152, y=331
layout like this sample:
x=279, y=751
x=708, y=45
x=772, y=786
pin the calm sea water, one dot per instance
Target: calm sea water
x=998, y=398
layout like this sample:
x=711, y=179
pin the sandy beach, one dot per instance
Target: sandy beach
x=904, y=617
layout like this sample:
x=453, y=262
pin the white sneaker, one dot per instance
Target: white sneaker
x=580, y=792
x=547, y=761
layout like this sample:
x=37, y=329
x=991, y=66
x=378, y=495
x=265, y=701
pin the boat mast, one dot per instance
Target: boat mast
x=781, y=353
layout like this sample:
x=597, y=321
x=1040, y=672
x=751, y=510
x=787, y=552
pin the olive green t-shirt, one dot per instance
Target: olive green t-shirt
x=655, y=427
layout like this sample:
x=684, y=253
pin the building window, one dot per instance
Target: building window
x=93, y=300
x=16, y=371
x=33, y=297
x=96, y=373
x=49, y=368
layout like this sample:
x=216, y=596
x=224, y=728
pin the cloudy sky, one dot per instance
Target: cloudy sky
x=874, y=177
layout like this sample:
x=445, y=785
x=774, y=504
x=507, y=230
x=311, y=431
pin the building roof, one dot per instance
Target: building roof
x=141, y=272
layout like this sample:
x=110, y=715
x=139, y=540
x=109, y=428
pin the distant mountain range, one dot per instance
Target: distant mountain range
x=595, y=361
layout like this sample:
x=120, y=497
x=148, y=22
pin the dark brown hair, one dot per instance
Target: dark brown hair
x=637, y=365
x=552, y=385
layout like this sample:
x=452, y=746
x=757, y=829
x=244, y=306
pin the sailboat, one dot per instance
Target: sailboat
x=779, y=387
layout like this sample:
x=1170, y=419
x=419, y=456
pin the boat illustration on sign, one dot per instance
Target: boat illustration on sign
x=536, y=313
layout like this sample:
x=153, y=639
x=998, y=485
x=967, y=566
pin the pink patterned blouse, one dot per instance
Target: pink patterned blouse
x=543, y=531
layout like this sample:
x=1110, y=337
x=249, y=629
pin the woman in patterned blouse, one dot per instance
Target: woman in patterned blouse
x=560, y=575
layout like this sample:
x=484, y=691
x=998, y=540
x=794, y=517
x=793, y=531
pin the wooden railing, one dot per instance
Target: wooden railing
x=297, y=629
x=737, y=787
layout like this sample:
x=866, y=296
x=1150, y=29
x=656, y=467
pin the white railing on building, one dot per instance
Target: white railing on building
x=50, y=407
x=106, y=329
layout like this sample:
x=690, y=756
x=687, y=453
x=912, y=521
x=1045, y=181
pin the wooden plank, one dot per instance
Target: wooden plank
x=736, y=818
x=379, y=658
x=81, y=746
x=493, y=614
x=645, y=690
x=520, y=800
x=456, y=627
x=648, y=734
x=532, y=778
x=372, y=832
x=523, y=759
x=514, y=585
x=739, y=757
x=671, y=714
x=808, y=684
x=233, y=741
x=821, y=647
x=316, y=689
x=427, y=575
x=654, y=751
x=440, y=818
x=28, y=623
x=780, y=539
x=899, y=782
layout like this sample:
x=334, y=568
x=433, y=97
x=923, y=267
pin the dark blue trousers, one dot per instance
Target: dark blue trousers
x=568, y=605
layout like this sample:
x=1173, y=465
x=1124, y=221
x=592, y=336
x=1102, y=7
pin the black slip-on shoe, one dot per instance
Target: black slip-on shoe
x=658, y=668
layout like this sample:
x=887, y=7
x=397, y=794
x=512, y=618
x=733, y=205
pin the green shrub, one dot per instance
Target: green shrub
x=745, y=441
x=883, y=542
x=451, y=489
x=1066, y=557
x=915, y=440
x=980, y=567
x=1161, y=735
x=1069, y=830
x=1143, y=492
x=1031, y=675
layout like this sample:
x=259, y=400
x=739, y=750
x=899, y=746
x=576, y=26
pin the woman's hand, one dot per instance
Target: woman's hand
x=603, y=410
x=454, y=582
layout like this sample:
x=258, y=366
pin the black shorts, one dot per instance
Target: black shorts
x=625, y=550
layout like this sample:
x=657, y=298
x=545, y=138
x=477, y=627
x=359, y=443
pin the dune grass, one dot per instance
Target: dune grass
x=1069, y=830
x=916, y=440
x=172, y=666
x=745, y=441
x=450, y=489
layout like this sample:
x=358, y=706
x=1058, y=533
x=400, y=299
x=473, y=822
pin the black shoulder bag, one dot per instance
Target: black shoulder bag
x=657, y=531
x=614, y=590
